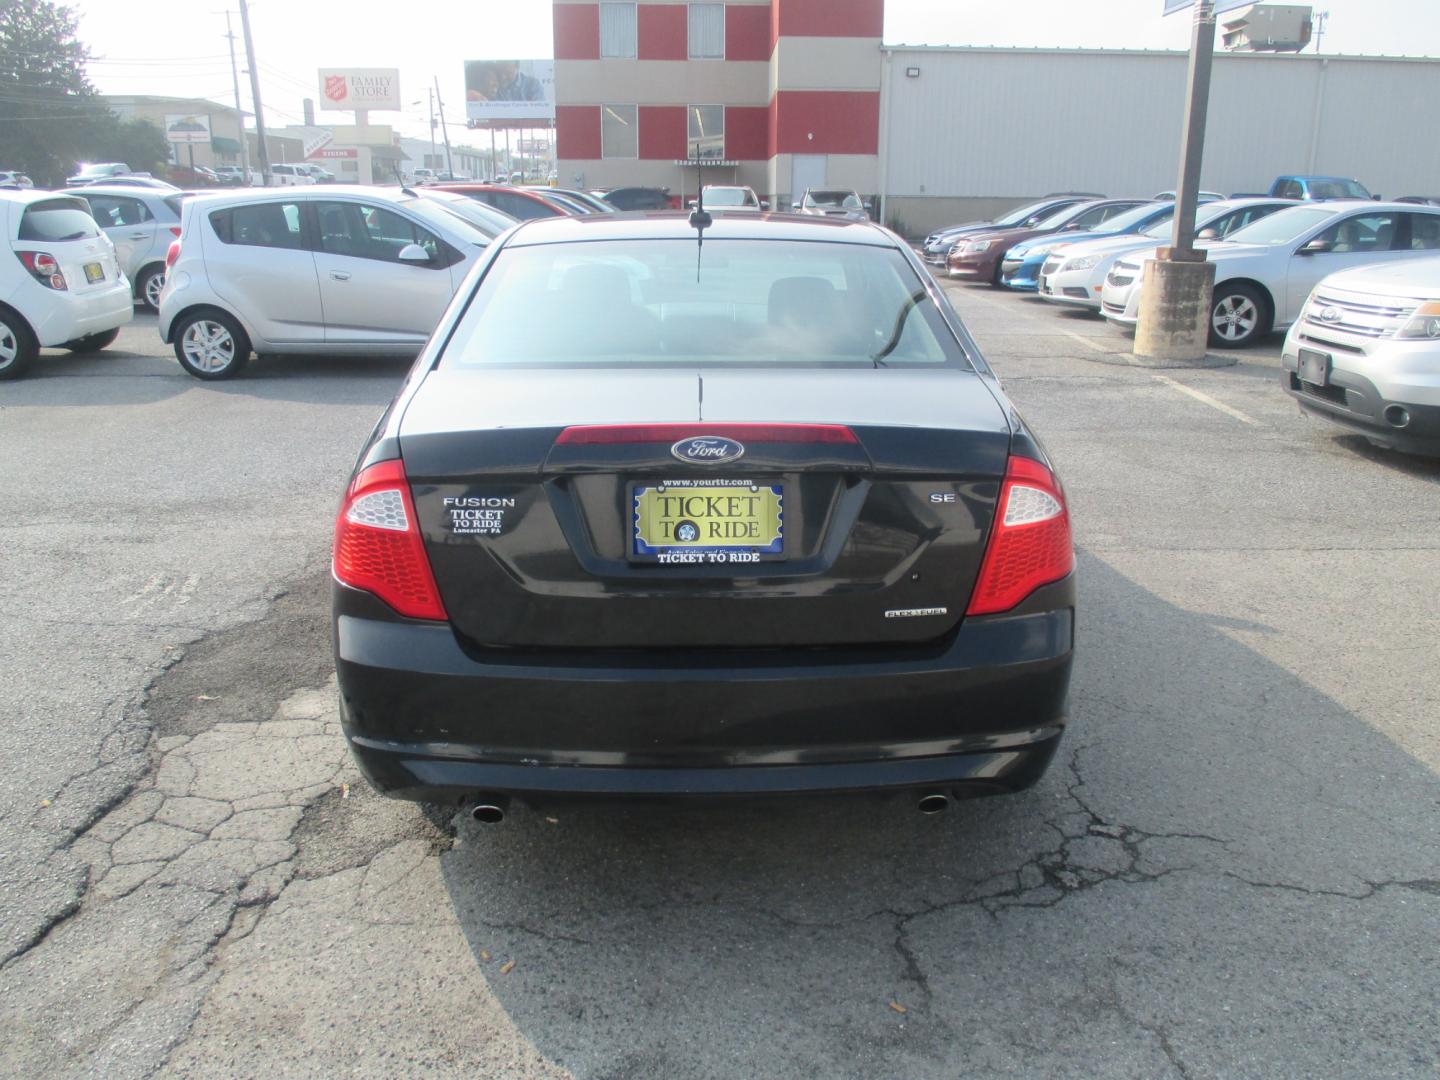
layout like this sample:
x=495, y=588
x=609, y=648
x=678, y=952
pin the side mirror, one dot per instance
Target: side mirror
x=1317, y=246
x=1208, y=234
x=690, y=205
x=794, y=206
x=764, y=204
x=413, y=253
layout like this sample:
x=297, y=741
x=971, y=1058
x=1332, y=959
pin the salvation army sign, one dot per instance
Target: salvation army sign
x=360, y=88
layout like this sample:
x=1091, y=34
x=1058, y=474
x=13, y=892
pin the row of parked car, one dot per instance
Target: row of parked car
x=1355, y=281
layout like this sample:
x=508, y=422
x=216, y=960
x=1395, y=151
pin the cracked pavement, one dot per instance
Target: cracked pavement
x=1232, y=868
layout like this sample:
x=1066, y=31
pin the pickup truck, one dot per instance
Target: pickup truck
x=1318, y=188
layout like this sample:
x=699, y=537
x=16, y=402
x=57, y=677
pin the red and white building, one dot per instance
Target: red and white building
x=779, y=94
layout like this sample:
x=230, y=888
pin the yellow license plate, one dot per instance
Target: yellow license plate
x=708, y=521
x=94, y=272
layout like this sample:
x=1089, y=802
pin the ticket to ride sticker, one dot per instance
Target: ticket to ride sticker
x=708, y=521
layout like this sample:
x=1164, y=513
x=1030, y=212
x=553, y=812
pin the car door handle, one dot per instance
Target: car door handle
x=138, y=235
x=340, y=275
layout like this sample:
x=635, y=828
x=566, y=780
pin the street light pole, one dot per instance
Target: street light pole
x=1177, y=286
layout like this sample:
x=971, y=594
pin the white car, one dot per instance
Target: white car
x=290, y=176
x=9, y=178
x=61, y=284
x=340, y=270
x=141, y=224
x=732, y=197
x=1365, y=353
x=1264, y=272
x=1074, y=274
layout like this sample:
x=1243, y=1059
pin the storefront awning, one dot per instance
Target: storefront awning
x=222, y=145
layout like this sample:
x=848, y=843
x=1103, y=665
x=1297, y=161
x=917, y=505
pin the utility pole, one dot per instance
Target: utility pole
x=235, y=78
x=255, y=94
x=1175, y=299
x=431, y=92
x=1321, y=18
x=449, y=165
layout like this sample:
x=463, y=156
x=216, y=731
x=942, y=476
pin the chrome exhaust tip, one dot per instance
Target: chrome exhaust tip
x=934, y=802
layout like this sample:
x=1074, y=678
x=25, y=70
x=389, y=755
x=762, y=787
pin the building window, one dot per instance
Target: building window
x=707, y=31
x=617, y=31
x=618, y=138
x=705, y=136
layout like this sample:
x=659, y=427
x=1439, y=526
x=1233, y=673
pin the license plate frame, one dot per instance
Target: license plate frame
x=757, y=528
x=94, y=273
x=1313, y=367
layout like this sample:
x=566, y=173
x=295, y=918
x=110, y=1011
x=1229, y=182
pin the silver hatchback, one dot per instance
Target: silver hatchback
x=353, y=271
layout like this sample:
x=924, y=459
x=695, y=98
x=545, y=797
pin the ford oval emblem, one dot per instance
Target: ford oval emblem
x=707, y=449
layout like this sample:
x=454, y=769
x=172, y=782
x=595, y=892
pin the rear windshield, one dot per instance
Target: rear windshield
x=748, y=303
x=729, y=196
x=57, y=219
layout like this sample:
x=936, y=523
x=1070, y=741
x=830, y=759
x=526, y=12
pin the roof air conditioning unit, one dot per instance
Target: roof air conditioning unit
x=1267, y=28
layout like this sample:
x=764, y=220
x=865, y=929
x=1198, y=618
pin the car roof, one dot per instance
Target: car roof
x=34, y=195
x=476, y=185
x=675, y=225
x=220, y=196
x=132, y=190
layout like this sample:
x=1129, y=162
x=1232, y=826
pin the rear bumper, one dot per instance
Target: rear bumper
x=427, y=719
x=80, y=315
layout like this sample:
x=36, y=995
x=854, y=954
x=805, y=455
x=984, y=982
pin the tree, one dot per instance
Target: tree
x=139, y=143
x=48, y=108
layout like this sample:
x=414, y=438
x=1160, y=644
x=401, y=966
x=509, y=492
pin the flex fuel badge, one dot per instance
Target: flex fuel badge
x=478, y=515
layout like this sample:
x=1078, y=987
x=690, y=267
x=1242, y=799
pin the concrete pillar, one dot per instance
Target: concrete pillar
x=1175, y=301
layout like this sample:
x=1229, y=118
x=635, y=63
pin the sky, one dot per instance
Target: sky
x=179, y=48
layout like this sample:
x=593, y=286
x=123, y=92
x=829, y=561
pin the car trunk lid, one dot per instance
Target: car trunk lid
x=879, y=486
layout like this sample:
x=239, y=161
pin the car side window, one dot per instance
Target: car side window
x=371, y=232
x=1361, y=233
x=517, y=206
x=1290, y=189
x=267, y=224
x=115, y=210
x=1090, y=218
x=1424, y=231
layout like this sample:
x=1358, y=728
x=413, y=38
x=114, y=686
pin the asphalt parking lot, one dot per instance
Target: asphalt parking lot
x=1232, y=870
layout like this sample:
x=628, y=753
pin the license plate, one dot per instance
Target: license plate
x=1314, y=367
x=94, y=272
x=708, y=521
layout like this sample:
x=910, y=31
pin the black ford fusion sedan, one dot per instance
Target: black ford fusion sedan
x=667, y=510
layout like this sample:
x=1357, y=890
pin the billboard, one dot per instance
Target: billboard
x=509, y=90
x=360, y=88
x=187, y=128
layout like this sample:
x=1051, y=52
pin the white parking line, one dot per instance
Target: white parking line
x=1083, y=340
x=1208, y=400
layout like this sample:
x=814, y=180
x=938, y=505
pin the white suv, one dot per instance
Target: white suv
x=290, y=176
x=349, y=271
x=60, y=284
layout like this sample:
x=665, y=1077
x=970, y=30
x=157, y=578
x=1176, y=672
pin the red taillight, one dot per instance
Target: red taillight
x=175, y=231
x=173, y=251
x=1029, y=542
x=378, y=546
x=43, y=268
x=611, y=434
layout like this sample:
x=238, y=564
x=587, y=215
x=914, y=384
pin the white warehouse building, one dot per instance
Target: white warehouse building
x=968, y=132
